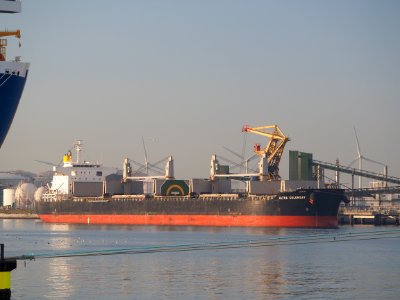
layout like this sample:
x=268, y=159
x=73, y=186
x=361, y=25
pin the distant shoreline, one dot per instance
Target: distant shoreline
x=18, y=214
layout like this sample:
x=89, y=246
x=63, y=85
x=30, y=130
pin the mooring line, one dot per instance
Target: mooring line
x=272, y=241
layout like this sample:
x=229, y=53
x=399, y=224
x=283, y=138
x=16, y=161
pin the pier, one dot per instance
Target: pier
x=376, y=216
x=359, y=212
x=367, y=205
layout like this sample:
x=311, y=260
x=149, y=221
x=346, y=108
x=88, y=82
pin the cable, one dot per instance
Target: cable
x=274, y=241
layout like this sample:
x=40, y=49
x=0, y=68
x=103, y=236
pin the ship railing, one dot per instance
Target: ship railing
x=50, y=197
x=139, y=196
x=219, y=196
x=262, y=197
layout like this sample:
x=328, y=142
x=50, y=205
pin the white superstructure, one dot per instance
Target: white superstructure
x=71, y=174
x=14, y=68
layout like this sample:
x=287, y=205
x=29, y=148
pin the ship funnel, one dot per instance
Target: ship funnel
x=67, y=159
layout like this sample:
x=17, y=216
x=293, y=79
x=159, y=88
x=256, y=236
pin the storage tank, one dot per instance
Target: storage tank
x=24, y=195
x=9, y=197
x=39, y=192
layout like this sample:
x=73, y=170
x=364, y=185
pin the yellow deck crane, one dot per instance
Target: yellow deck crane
x=274, y=149
x=3, y=42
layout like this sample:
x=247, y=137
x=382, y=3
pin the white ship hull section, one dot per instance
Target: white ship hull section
x=14, y=68
x=7, y=6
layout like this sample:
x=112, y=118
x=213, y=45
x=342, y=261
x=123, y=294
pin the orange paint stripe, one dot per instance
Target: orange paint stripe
x=196, y=220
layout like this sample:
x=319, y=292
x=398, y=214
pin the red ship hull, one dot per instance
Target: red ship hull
x=195, y=220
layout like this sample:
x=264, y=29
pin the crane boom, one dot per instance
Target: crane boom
x=274, y=149
x=3, y=42
x=16, y=33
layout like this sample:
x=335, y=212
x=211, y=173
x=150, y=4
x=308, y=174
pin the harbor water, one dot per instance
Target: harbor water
x=353, y=269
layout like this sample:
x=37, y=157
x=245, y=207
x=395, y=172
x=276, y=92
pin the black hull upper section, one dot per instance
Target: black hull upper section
x=321, y=202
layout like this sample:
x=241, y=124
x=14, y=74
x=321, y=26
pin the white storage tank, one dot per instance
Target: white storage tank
x=8, y=197
x=39, y=192
x=24, y=195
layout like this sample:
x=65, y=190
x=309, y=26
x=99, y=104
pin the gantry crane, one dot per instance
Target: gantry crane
x=274, y=149
x=3, y=42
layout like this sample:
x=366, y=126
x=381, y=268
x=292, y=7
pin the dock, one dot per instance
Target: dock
x=379, y=216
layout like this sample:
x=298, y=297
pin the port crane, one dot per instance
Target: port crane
x=3, y=42
x=274, y=149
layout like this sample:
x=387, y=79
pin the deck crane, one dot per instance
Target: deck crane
x=274, y=149
x=3, y=42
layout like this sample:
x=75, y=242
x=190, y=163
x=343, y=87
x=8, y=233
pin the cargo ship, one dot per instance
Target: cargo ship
x=301, y=208
x=85, y=193
x=13, y=74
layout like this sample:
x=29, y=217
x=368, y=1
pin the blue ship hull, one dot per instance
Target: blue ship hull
x=11, y=88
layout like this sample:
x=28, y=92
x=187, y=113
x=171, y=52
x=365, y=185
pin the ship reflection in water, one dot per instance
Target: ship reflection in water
x=60, y=278
x=59, y=274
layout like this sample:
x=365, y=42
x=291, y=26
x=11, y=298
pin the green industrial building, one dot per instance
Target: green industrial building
x=300, y=166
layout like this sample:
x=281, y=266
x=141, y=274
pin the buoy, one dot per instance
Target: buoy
x=6, y=266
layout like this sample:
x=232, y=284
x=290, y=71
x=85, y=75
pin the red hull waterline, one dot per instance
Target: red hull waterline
x=196, y=220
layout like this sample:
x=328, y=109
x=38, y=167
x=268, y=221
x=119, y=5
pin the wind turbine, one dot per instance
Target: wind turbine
x=146, y=163
x=148, y=166
x=78, y=147
x=244, y=149
x=244, y=162
x=360, y=159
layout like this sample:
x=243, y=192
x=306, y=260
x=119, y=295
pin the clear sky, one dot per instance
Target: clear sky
x=187, y=75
